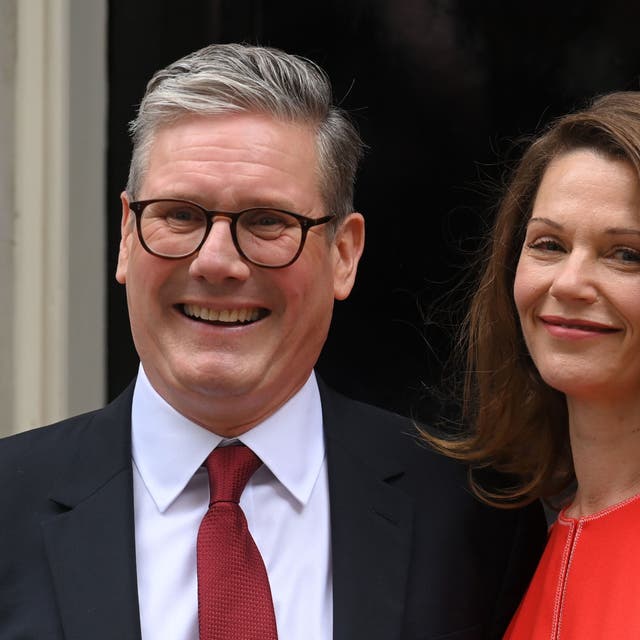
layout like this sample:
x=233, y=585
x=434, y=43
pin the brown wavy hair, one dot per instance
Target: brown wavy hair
x=515, y=423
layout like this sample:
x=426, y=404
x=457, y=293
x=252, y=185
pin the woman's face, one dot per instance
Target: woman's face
x=577, y=285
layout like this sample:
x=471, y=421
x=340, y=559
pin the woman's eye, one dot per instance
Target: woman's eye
x=545, y=244
x=625, y=254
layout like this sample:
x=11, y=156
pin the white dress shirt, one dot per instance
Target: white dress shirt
x=286, y=503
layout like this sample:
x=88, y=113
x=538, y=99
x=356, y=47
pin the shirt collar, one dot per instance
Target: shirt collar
x=168, y=448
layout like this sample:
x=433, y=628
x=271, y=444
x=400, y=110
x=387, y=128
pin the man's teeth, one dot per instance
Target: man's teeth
x=223, y=315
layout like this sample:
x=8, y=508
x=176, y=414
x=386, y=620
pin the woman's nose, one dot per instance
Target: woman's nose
x=574, y=278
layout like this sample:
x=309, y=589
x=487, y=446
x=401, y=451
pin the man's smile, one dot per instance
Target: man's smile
x=243, y=315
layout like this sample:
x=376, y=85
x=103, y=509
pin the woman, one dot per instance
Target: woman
x=552, y=384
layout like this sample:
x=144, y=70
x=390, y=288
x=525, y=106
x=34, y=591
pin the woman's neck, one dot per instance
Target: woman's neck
x=605, y=443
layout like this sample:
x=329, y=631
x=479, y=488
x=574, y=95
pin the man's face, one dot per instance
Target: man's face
x=229, y=373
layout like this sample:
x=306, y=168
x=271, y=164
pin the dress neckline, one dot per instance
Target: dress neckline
x=563, y=518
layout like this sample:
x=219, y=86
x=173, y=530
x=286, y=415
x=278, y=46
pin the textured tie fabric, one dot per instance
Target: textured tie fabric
x=234, y=597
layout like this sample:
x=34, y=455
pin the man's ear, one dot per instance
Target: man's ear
x=348, y=247
x=127, y=226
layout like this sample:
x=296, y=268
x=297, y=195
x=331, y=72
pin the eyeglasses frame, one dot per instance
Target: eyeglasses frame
x=306, y=223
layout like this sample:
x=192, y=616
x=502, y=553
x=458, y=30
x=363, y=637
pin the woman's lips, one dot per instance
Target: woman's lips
x=575, y=328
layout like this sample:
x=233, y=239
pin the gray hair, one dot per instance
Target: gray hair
x=233, y=78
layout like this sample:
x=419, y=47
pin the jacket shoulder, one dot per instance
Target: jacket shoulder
x=43, y=441
x=45, y=451
x=382, y=435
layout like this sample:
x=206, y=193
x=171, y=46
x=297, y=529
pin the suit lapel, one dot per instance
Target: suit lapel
x=91, y=544
x=371, y=524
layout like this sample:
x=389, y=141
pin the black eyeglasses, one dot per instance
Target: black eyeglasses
x=264, y=236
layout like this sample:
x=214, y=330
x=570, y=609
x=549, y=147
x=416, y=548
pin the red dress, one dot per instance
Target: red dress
x=587, y=585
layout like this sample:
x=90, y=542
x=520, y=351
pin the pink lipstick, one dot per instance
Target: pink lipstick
x=575, y=328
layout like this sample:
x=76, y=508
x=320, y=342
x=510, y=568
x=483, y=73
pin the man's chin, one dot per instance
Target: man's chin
x=215, y=382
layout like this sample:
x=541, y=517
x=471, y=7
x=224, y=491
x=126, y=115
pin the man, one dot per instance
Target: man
x=238, y=233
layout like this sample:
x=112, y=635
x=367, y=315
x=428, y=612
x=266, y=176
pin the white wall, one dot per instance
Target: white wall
x=7, y=209
x=53, y=323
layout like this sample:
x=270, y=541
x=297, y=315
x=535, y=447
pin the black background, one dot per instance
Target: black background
x=440, y=91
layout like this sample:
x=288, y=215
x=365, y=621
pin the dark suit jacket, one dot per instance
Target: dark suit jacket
x=415, y=556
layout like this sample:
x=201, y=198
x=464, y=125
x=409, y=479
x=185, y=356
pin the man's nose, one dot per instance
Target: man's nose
x=218, y=258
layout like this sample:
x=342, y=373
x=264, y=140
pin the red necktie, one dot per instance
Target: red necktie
x=234, y=597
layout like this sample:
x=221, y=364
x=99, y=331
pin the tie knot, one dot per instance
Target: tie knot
x=229, y=471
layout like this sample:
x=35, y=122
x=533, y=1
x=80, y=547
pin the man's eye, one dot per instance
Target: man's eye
x=266, y=221
x=180, y=215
